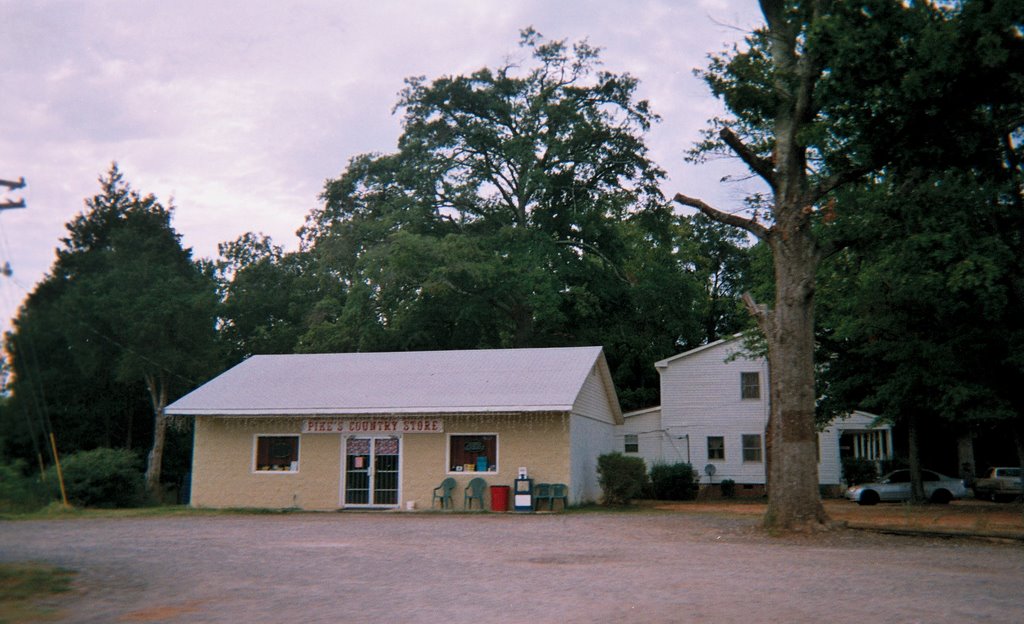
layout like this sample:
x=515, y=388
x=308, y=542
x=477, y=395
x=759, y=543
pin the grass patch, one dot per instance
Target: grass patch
x=23, y=584
x=58, y=511
x=637, y=506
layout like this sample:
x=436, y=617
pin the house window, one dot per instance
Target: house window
x=750, y=385
x=751, y=447
x=277, y=453
x=716, y=447
x=473, y=453
x=632, y=443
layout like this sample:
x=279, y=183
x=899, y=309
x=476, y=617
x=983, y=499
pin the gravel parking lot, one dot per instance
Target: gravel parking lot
x=581, y=567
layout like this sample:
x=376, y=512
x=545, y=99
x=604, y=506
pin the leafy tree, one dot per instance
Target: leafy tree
x=915, y=318
x=934, y=246
x=125, y=314
x=722, y=260
x=267, y=296
x=520, y=209
x=824, y=94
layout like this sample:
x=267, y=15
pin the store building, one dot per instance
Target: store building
x=382, y=430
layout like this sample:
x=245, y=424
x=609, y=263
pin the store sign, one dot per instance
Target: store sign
x=373, y=425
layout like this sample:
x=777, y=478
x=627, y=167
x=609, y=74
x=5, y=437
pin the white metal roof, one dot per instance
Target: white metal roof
x=642, y=412
x=664, y=363
x=422, y=382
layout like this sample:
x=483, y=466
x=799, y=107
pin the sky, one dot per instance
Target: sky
x=237, y=112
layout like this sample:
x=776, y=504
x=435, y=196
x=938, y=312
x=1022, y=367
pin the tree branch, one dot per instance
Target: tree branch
x=759, y=311
x=594, y=250
x=749, y=225
x=830, y=183
x=761, y=166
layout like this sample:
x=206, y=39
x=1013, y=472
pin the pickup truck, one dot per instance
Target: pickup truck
x=1000, y=484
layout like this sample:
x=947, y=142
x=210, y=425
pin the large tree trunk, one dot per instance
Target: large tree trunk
x=158, y=397
x=794, y=499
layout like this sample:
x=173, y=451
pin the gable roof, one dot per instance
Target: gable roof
x=413, y=382
x=711, y=345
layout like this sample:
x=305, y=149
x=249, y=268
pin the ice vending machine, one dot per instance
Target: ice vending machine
x=523, y=493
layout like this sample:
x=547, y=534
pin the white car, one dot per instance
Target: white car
x=895, y=486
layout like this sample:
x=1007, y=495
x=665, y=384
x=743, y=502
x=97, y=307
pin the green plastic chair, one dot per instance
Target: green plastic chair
x=443, y=493
x=559, y=491
x=474, y=491
x=541, y=493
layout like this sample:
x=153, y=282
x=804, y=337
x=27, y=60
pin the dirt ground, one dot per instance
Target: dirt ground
x=966, y=518
x=700, y=564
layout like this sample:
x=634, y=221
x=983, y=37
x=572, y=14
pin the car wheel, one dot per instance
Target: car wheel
x=941, y=497
x=868, y=497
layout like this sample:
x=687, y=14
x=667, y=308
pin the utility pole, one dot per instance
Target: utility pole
x=13, y=186
x=9, y=204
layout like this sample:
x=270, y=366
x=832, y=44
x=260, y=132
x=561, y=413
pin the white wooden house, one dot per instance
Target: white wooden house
x=713, y=413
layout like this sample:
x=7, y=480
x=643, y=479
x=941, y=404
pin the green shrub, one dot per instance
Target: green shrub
x=622, y=478
x=18, y=492
x=100, y=478
x=728, y=488
x=674, y=481
x=859, y=471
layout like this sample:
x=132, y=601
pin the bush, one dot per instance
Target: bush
x=728, y=488
x=100, y=478
x=622, y=478
x=674, y=481
x=859, y=471
x=20, y=493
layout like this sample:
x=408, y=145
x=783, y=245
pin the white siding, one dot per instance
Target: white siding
x=655, y=444
x=593, y=398
x=588, y=439
x=646, y=426
x=830, y=470
x=591, y=434
x=700, y=398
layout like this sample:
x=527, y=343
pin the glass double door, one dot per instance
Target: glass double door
x=372, y=471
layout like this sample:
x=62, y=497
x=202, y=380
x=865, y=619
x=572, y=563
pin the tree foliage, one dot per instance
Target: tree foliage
x=924, y=312
x=823, y=95
x=124, y=321
x=520, y=209
x=623, y=479
x=268, y=297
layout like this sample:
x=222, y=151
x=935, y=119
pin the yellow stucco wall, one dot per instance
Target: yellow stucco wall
x=223, y=461
x=222, y=467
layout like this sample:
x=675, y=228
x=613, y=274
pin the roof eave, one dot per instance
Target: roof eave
x=374, y=412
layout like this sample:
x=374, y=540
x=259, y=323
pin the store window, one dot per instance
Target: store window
x=632, y=443
x=716, y=447
x=750, y=385
x=751, y=447
x=473, y=453
x=276, y=453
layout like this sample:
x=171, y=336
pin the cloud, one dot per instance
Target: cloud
x=240, y=111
